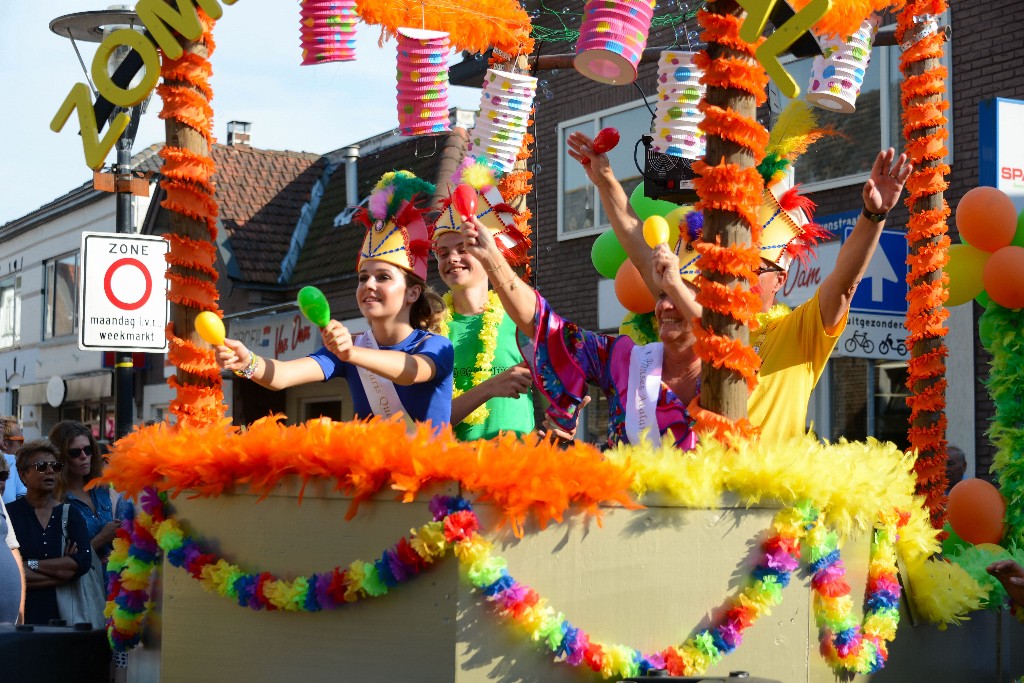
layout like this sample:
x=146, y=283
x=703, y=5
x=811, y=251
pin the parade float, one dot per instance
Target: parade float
x=513, y=561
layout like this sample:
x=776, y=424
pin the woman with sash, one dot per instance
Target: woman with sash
x=647, y=386
x=400, y=365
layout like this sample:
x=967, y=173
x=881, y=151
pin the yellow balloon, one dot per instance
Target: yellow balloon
x=993, y=548
x=655, y=231
x=210, y=327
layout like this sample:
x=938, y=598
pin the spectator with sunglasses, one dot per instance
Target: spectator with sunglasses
x=101, y=507
x=12, y=441
x=36, y=518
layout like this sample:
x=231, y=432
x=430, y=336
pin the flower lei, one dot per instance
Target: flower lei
x=154, y=530
x=846, y=645
x=494, y=313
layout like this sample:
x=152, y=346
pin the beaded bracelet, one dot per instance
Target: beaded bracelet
x=249, y=370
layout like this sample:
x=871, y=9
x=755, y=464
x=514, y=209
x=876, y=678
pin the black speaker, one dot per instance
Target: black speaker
x=52, y=654
x=667, y=177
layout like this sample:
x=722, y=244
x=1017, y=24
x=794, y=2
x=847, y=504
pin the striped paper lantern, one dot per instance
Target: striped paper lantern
x=505, y=103
x=328, y=30
x=422, y=79
x=612, y=39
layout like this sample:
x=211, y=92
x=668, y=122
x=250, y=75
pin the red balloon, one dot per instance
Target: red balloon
x=464, y=200
x=1003, y=276
x=986, y=218
x=976, y=510
x=631, y=290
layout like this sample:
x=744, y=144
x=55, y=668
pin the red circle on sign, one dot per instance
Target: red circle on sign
x=108, y=290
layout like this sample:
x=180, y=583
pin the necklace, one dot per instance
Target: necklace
x=488, y=338
x=767, y=320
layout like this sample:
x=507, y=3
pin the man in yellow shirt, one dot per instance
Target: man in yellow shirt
x=793, y=346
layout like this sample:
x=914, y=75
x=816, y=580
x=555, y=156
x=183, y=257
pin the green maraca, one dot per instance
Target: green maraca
x=314, y=306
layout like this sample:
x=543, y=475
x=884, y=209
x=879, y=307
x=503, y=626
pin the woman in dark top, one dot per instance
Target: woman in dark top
x=37, y=522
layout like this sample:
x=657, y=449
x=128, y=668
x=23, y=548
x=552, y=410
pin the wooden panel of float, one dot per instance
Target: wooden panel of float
x=646, y=578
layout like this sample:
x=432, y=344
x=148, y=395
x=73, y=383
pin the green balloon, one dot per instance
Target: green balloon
x=964, y=269
x=983, y=299
x=314, y=306
x=953, y=543
x=986, y=324
x=1018, y=237
x=607, y=254
x=644, y=207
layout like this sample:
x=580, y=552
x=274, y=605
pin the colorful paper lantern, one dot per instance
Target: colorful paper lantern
x=422, y=78
x=328, y=30
x=506, y=101
x=837, y=76
x=676, y=116
x=612, y=39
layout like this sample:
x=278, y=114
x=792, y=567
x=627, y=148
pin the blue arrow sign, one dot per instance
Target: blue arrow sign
x=884, y=286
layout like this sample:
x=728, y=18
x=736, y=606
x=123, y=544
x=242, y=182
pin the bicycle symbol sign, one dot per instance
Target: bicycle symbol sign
x=874, y=336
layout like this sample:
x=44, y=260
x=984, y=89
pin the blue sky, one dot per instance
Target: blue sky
x=257, y=78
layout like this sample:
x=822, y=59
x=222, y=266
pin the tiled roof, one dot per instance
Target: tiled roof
x=330, y=252
x=260, y=194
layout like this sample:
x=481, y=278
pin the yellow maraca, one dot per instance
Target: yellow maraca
x=210, y=327
x=655, y=231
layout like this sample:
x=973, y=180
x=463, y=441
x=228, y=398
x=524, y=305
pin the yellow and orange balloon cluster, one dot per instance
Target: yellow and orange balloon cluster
x=989, y=265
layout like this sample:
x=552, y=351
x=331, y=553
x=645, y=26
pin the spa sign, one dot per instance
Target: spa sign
x=162, y=21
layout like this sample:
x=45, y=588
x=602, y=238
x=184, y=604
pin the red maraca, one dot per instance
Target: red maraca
x=464, y=201
x=605, y=140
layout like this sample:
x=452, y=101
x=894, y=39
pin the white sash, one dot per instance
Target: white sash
x=380, y=392
x=644, y=387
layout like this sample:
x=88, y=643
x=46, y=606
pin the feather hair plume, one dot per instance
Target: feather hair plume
x=795, y=131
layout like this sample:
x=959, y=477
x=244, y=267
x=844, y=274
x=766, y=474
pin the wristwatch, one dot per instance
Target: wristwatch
x=33, y=565
x=874, y=217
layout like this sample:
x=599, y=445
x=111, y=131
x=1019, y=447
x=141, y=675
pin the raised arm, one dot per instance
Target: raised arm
x=517, y=297
x=398, y=366
x=267, y=372
x=880, y=194
x=626, y=224
x=665, y=274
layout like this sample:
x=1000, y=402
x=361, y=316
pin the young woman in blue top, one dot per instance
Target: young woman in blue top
x=400, y=360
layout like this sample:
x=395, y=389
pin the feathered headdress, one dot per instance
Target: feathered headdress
x=787, y=228
x=491, y=210
x=395, y=230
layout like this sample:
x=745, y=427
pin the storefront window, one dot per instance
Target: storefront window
x=61, y=296
x=10, y=311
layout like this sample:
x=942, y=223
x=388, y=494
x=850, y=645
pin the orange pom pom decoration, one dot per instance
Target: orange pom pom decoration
x=631, y=290
x=1004, y=277
x=986, y=218
x=976, y=510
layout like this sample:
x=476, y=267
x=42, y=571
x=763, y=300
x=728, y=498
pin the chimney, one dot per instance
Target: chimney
x=351, y=175
x=238, y=133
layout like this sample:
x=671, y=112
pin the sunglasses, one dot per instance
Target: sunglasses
x=5, y=475
x=769, y=269
x=43, y=465
x=79, y=452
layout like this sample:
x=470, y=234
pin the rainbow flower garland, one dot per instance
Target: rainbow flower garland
x=493, y=315
x=846, y=646
x=129, y=571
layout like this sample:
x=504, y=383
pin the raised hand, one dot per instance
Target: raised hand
x=232, y=355
x=883, y=188
x=597, y=166
x=337, y=339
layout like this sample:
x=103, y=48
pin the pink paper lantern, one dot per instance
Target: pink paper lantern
x=422, y=77
x=612, y=39
x=328, y=30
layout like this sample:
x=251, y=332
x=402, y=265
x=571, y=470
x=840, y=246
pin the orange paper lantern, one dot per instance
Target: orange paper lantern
x=986, y=218
x=631, y=290
x=976, y=510
x=1004, y=277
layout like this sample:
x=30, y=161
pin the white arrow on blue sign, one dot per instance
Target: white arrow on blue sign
x=883, y=289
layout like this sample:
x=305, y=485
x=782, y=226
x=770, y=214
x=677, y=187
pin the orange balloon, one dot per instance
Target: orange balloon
x=1003, y=276
x=986, y=218
x=976, y=510
x=631, y=290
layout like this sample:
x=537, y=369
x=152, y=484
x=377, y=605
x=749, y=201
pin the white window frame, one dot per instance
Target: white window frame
x=12, y=283
x=595, y=119
x=886, y=56
x=49, y=273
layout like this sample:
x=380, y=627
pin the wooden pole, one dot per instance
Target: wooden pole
x=724, y=391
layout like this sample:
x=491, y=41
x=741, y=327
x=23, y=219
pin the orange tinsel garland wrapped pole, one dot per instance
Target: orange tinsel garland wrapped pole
x=187, y=170
x=730, y=191
x=923, y=89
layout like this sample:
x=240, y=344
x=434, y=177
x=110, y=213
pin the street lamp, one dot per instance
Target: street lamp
x=92, y=27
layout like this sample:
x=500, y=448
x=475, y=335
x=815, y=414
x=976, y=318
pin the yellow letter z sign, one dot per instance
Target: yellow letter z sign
x=96, y=149
x=780, y=41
